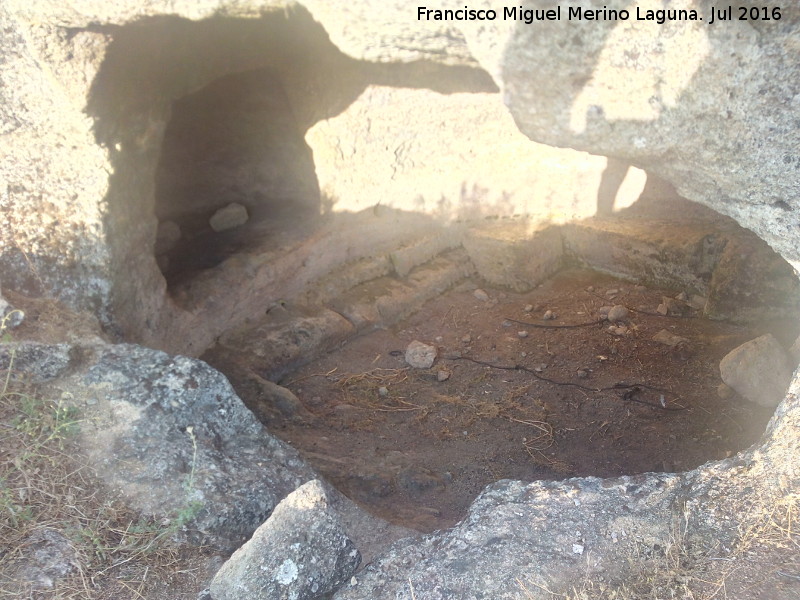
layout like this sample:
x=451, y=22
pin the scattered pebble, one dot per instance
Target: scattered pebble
x=603, y=311
x=442, y=375
x=590, y=288
x=682, y=297
x=724, y=391
x=617, y=330
x=466, y=339
x=522, y=334
x=507, y=323
x=232, y=215
x=549, y=315
x=540, y=367
x=383, y=392
x=759, y=370
x=420, y=356
x=698, y=302
x=10, y=317
x=669, y=339
x=438, y=339
x=528, y=308
x=612, y=292
x=662, y=309
x=675, y=307
x=481, y=295
x=583, y=373
x=617, y=313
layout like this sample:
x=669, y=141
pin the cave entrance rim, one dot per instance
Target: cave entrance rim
x=515, y=392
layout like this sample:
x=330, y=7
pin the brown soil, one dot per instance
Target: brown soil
x=418, y=452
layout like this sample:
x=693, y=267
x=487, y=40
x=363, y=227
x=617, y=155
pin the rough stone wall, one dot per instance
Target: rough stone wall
x=452, y=156
x=52, y=174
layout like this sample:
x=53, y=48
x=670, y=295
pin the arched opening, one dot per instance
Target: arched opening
x=234, y=170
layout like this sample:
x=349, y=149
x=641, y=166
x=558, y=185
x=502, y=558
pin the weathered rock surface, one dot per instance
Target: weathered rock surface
x=280, y=340
x=170, y=439
x=510, y=255
x=52, y=225
x=614, y=88
x=181, y=441
x=668, y=241
x=301, y=552
x=759, y=370
x=386, y=300
x=47, y=557
x=488, y=169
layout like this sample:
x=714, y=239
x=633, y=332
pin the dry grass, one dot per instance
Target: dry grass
x=753, y=566
x=110, y=551
x=459, y=411
x=362, y=390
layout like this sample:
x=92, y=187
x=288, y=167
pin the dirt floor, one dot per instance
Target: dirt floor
x=509, y=400
x=417, y=467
